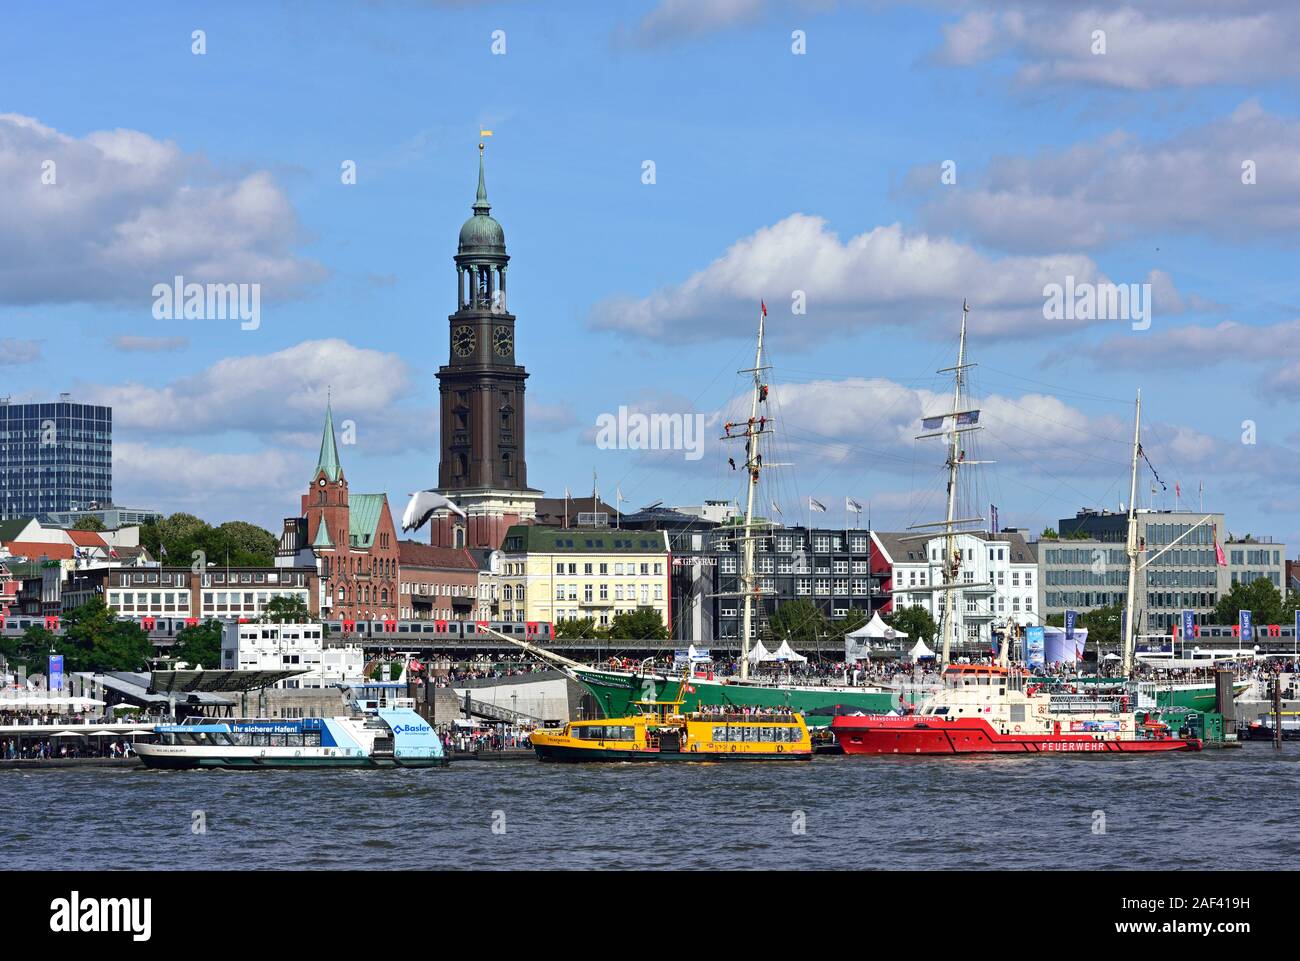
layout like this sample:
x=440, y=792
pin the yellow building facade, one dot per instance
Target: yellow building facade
x=567, y=573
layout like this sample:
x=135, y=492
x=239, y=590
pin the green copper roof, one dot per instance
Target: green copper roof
x=363, y=520
x=322, y=536
x=329, y=452
x=543, y=539
x=481, y=230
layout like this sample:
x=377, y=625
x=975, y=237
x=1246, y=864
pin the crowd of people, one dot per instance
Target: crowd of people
x=474, y=740
x=14, y=749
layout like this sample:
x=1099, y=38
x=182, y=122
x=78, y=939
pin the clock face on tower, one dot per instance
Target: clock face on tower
x=503, y=341
x=462, y=341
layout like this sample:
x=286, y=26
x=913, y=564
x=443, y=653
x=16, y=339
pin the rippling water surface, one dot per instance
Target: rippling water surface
x=1217, y=809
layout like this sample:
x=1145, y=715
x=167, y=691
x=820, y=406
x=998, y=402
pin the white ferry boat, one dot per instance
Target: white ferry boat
x=379, y=737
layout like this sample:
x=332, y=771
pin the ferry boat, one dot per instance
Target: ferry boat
x=662, y=733
x=379, y=737
x=989, y=709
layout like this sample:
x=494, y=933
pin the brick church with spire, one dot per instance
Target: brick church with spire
x=351, y=537
x=481, y=395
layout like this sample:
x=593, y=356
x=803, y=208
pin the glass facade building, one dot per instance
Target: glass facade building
x=54, y=457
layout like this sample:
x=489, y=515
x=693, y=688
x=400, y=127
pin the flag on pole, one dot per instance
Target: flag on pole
x=776, y=508
x=932, y=423
x=993, y=519
x=816, y=505
x=968, y=417
x=484, y=133
x=763, y=306
x=1218, y=554
x=851, y=505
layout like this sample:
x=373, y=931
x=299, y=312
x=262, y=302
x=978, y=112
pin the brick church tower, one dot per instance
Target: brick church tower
x=481, y=395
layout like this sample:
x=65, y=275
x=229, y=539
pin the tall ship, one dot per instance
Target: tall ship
x=372, y=738
x=996, y=708
x=617, y=690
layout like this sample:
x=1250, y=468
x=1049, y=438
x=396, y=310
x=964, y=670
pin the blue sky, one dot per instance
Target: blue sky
x=775, y=172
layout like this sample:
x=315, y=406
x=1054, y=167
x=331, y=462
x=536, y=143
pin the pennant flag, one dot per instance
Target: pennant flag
x=816, y=505
x=993, y=519
x=932, y=423
x=776, y=508
x=763, y=306
x=485, y=133
x=968, y=417
x=851, y=505
x=1178, y=489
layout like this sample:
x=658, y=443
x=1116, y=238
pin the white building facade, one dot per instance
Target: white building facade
x=288, y=647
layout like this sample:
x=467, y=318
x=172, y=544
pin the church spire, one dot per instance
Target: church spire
x=328, y=462
x=481, y=205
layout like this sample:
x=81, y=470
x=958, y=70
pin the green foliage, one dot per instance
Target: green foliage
x=577, y=627
x=95, y=640
x=854, y=619
x=31, y=648
x=199, y=645
x=1078, y=534
x=1103, y=624
x=246, y=545
x=1261, y=598
x=914, y=621
x=90, y=524
x=797, y=621
x=1049, y=534
x=286, y=610
x=643, y=624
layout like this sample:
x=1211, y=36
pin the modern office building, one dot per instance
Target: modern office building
x=1086, y=567
x=54, y=457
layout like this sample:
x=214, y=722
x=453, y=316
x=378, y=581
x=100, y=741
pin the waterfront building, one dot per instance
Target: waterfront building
x=999, y=573
x=54, y=457
x=556, y=574
x=292, y=646
x=482, y=465
x=112, y=516
x=223, y=593
x=1087, y=567
x=349, y=537
x=438, y=583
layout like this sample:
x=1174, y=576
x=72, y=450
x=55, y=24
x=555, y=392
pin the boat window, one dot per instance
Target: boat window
x=941, y=710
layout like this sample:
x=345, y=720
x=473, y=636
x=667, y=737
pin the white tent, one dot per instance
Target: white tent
x=858, y=644
x=759, y=653
x=786, y=653
x=918, y=651
x=694, y=655
x=876, y=629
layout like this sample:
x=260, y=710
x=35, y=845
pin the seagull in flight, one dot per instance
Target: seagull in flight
x=422, y=506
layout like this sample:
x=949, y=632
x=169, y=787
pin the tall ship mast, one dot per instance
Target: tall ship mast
x=1131, y=546
x=755, y=428
x=952, y=425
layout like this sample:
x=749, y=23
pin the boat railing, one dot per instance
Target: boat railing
x=1067, y=704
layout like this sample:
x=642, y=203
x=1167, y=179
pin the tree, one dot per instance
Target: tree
x=797, y=621
x=199, y=645
x=576, y=627
x=235, y=542
x=95, y=640
x=1079, y=534
x=90, y=523
x=1261, y=598
x=643, y=624
x=914, y=621
x=252, y=545
x=1103, y=624
x=31, y=648
x=286, y=609
x=1049, y=534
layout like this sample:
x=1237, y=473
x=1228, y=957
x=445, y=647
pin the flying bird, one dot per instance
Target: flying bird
x=422, y=506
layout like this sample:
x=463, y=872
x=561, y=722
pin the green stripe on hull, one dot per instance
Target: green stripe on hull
x=615, y=694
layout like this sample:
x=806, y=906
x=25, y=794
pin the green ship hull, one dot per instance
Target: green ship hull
x=1194, y=697
x=616, y=692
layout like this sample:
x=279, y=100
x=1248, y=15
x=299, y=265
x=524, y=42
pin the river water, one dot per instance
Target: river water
x=1217, y=809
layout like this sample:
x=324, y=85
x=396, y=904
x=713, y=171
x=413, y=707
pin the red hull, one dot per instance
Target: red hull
x=911, y=735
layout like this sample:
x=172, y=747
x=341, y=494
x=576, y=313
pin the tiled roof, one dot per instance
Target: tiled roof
x=415, y=554
x=35, y=550
x=86, y=539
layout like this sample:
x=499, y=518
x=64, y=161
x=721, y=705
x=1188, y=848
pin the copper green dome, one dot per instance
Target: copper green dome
x=481, y=230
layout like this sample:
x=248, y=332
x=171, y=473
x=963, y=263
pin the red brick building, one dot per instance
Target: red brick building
x=353, y=538
x=439, y=583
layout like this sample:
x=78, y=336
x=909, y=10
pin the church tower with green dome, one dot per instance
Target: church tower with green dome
x=481, y=394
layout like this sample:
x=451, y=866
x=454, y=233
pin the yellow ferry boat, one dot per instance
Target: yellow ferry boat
x=661, y=732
